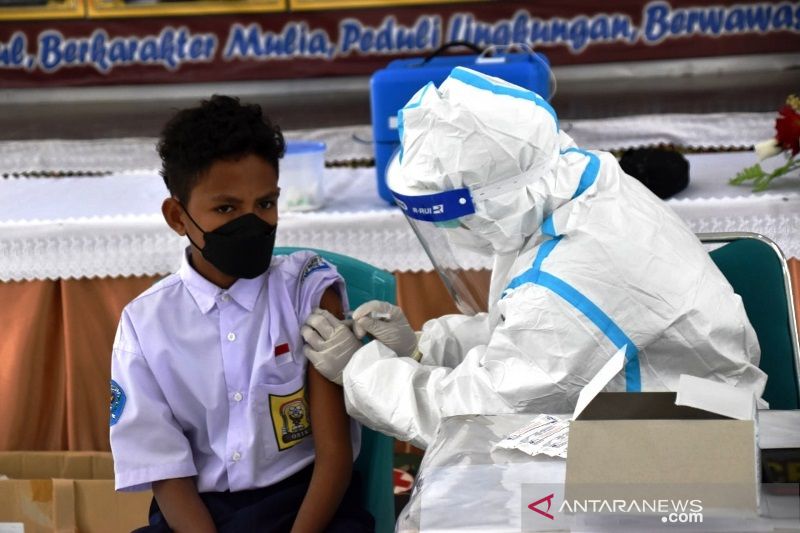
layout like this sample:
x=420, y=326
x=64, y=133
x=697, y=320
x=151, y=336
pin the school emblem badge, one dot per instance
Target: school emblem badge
x=117, y=402
x=290, y=418
x=312, y=265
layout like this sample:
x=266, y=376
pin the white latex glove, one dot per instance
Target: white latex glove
x=329, y=344
x=388, y=324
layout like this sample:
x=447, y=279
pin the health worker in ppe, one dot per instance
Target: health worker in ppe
x=585, y=261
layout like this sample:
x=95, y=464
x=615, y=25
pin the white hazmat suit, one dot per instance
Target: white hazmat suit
x=586, y=261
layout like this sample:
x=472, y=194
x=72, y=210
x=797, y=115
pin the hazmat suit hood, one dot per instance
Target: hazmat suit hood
x=503, y=145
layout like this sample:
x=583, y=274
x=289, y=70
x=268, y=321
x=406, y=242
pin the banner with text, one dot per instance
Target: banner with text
x=359, y=41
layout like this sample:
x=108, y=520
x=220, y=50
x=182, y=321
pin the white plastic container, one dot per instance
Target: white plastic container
x=300, y=177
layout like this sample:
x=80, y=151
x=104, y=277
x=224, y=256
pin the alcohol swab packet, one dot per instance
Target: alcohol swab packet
x=544, y=434
x=538, y=423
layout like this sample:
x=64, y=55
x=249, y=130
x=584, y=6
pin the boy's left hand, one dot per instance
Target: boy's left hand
x=330, y=344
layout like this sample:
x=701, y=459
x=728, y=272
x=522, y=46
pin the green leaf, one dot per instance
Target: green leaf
x=749, y=173
x=761, y=180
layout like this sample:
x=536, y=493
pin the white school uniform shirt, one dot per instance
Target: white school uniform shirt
x=210, y=382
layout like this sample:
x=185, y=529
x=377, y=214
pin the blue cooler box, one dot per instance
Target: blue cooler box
x=391, y=88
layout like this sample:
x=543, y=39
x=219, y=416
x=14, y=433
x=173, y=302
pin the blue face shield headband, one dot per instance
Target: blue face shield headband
x=439, y=208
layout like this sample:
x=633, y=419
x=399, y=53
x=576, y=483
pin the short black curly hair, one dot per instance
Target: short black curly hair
x=219, y=129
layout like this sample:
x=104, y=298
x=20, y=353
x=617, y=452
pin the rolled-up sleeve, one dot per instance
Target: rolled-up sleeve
x=315, y=276
x=147, y=442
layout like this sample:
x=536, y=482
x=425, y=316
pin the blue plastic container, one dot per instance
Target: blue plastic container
x=393, y=86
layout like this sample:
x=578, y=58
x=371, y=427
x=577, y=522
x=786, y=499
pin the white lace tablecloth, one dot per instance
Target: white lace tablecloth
x=112, y=226
x=728, y=130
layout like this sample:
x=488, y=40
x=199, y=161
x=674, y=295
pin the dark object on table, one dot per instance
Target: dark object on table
x=664, y=172
x=781, y=465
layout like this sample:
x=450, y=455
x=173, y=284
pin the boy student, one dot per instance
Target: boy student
x=212, y=402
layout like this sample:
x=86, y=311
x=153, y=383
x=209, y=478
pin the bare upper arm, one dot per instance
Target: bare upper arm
x=332, y=302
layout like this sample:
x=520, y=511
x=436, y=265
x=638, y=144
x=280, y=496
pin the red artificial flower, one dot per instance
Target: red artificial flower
x=788, y=129
x=787, y=137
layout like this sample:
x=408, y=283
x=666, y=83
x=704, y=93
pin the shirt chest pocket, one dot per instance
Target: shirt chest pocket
x=282, y=413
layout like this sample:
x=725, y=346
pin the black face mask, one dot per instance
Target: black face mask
x=241, y=248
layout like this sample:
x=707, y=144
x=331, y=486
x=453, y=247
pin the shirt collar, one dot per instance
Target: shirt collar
x=205, y=293
x=245, y=291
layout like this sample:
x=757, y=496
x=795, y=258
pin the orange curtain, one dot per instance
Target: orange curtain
x=55, y=360
x=32, y=384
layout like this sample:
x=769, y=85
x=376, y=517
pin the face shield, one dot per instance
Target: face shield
x=441, y=221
